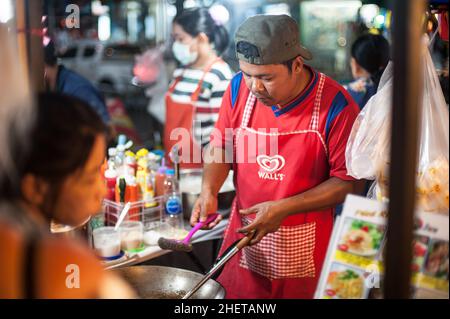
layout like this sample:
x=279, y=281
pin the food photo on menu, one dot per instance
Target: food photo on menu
x=436, y=264
x=361, y=238
x=345, y=282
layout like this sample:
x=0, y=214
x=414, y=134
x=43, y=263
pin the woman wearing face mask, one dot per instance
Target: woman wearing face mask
x=195, y=95
x=370, y=56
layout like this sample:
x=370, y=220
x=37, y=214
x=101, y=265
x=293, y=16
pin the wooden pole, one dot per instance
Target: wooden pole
x=36, y=48
x=21, y=25
x=407, y=32
x=30, y=46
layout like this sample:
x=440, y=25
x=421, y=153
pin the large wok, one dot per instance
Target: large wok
x=156, y=282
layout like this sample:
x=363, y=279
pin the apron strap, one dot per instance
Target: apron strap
x=248, y=110
x=314, y=125
x=251, y=101
x=175, y=82
x=196, y=94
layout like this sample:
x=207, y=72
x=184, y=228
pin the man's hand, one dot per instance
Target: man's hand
x=206, y=204
x=268, y=219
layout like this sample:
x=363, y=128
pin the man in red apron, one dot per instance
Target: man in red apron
x=291, y=125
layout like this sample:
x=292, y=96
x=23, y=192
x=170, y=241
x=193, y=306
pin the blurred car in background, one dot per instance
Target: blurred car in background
x=109, y=66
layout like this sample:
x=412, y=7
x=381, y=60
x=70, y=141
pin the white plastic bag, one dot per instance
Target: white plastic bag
x=368, y=148
x=370, y=137
x=433, y=166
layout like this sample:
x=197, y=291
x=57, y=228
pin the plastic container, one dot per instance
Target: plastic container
x=173, y=204
x=127, y=191
x=142, y=153
x=112, y=152
x=171, y=183
x=132, y=195
x=110, y=179
x=106, y=242
x=130, y=163
x=141, y=176
x=160, y=177
x=151, y=213
x=119, y=162
x=132, y=236
x=145, y=181
x=119, y=158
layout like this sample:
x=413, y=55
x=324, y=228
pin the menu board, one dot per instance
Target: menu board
x=353, y=267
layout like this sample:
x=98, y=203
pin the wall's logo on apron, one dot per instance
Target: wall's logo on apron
x=270, y=165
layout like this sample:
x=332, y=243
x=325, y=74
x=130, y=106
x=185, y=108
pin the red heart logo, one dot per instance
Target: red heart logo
x=271, y=163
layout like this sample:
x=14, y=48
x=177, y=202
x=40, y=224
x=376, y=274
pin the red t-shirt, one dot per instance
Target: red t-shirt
x=338, y=111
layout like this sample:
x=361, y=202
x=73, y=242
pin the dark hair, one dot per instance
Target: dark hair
x=289, y=64
x=371, y=52
x=50, y=58
x=197, y=20
x=61, y=141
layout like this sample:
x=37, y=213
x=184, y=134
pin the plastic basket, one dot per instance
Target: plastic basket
x=150, y=212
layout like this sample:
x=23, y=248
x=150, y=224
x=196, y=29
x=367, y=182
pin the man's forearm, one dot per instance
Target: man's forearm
x=215, y=171
x=325, y=195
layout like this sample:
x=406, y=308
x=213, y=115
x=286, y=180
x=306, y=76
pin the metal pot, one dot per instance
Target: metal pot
x=190, y=193
x=157, y=282
x=80, y=231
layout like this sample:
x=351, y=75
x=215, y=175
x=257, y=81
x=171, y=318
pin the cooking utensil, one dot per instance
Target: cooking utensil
x=156, y=282
x=122, y=215
x=184, y=245
x=190, y=187
x=72, y=232
x=226, y=256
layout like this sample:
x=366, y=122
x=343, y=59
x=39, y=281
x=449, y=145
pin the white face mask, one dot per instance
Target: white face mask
x=183, y=54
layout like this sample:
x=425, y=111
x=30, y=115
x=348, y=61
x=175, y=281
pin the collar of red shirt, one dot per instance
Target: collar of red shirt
x=300, y=98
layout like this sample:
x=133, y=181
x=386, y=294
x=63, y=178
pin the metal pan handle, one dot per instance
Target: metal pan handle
x=243, y=242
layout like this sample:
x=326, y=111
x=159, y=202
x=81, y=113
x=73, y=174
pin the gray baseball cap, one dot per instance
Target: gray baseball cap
x=269, y=39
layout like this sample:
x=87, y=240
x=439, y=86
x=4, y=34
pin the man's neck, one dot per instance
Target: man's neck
x=303, y=81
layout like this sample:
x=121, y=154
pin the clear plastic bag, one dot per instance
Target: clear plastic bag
x=368, y=144
x=368, y=148
x=432, y=182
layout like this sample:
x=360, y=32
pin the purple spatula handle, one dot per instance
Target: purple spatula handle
x=199, y=225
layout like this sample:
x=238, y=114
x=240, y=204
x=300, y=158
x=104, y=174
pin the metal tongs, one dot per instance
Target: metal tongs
x=221, y=261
